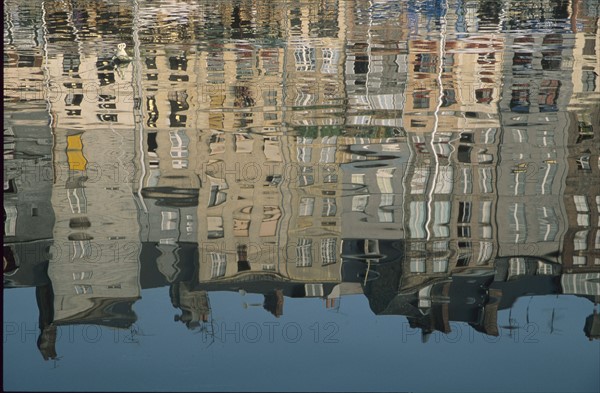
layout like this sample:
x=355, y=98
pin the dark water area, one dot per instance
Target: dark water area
x=302, y=196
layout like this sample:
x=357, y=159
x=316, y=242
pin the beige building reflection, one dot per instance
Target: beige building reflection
x=94, y=264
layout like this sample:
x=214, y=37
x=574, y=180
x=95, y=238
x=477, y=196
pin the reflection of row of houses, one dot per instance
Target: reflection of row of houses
x=314, y=165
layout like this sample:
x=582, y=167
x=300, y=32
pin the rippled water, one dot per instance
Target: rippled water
x=333, y=195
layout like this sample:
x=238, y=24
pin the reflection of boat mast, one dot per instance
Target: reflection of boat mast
x=510, y=325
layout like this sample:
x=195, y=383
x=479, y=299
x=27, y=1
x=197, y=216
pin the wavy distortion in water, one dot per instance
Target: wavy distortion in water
x=439, y=158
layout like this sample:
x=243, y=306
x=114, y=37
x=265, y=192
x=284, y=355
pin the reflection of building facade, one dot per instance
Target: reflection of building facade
x=351, y=151
x=581, y=247
x=94, y=264
x=28, y=215
x=533, y=151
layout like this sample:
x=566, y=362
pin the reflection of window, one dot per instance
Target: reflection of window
x=441, y=218
x=464, y=153
x=358, y=178
x=579, y=260
x=243, y=143
x=464, y=212
x=329, y=207
x=580, y=203
x=215, y=227
x=305, y=58
x=417, y=265
x=180, y=164
x=359, y=203
x=241, y=227
x=463, y=231
x=520, y=98
x=82, y=275
x=384, y=212
x=328, y=251
x=217, y=143
x=466, y=181
x=83, y=289
x=485, y=180
x=77, y=200
x=439, y=246
x=440, y=265
x=331, y=178
x=169, y=221
x=305, y=180
x=306, y=206
x=10, y=222
x=583, y=163
x=516, y=267
x=384, y=180
x=449, y=97
x=484, y=96
x=304, y=253
x=588, y=78
x=328, y=154
x=330, y=60
x=218, y=264
x=313, y=289
x=445, y=180
x=548, y=223
x=544, y=268
x=417, y=219
x=425, y=62
x=583, y=220
x=81, y=249
x=271, y=215
x=418, y=183
x=485, y=252
x=304, y=153
x=421, y=99
x=580, y=240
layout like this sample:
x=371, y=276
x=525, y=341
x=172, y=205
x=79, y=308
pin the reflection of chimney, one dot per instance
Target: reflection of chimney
x=46, y=342
x=242, y=256
x=274, y=302
x=10, y=263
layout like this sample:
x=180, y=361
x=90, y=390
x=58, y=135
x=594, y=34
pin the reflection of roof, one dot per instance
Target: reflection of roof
x=262, y=285
x=112, y=312
x=32, y=270
x=184, y=262
x=525, y=286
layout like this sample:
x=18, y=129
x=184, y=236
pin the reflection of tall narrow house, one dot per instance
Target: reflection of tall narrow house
x=27, y=174
x=451, y=119
x=581, y=247
x=94, y=264
x=535, y=124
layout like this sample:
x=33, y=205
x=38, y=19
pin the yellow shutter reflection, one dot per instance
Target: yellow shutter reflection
x=75, y=157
